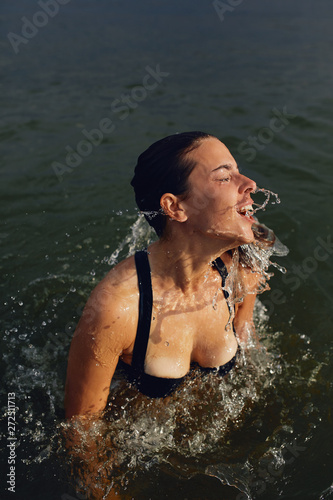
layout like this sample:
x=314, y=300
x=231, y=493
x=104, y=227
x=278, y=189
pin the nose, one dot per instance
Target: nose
x=247, y=185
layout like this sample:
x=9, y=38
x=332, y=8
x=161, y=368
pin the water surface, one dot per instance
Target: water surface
x=267, y=430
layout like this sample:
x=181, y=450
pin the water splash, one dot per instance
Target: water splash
x=196, y=421
x=231, y=428
x=268, y=195
x=327, y=494
x=255, y=257
x=150, y=214
x=139, y=236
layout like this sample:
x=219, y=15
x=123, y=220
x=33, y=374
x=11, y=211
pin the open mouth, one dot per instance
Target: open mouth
x=247, y=212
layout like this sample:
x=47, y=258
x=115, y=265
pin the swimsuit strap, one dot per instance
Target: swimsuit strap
x=222, y=269
x=145, y=310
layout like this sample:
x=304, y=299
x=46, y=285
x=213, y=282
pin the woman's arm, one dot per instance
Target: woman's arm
x=99, y=339
x=243, y=321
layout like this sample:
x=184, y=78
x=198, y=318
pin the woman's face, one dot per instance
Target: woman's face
x=219, y=202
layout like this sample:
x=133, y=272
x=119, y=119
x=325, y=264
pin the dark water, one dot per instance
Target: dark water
x=266, y=432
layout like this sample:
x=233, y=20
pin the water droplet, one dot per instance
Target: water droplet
x=268, y=195
x=166, y=343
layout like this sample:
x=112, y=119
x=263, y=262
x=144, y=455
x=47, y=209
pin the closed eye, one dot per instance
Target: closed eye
x=225, y=169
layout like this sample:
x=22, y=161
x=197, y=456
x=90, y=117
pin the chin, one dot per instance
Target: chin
x=234, y=238
x=246, y=239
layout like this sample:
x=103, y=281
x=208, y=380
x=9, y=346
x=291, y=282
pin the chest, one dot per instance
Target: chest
x=196, y=332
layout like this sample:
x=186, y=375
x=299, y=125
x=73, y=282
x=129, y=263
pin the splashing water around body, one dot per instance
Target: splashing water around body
x=255, y=256
x=140, y=235
x=200, y=417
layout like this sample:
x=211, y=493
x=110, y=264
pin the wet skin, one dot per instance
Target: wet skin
x=185, y=327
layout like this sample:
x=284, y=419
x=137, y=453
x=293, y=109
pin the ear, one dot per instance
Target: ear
x=173, y=207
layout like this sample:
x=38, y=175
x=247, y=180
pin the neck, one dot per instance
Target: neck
x=185, y=261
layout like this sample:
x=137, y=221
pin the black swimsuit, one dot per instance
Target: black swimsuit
x=157, y=387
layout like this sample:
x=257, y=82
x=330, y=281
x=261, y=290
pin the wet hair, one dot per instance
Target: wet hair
x=164, y=168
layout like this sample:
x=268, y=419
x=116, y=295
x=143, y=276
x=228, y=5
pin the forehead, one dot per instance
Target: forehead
x=210, y=154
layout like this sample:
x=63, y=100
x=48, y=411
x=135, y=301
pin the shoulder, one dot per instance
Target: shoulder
x=119, y=285
x=111, y=312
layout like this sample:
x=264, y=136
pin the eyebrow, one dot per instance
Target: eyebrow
x=227, y=166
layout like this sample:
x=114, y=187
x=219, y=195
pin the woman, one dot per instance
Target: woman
x=166, y=308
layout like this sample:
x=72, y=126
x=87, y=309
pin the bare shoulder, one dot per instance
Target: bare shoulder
x=110, y=315
x=121, y=281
